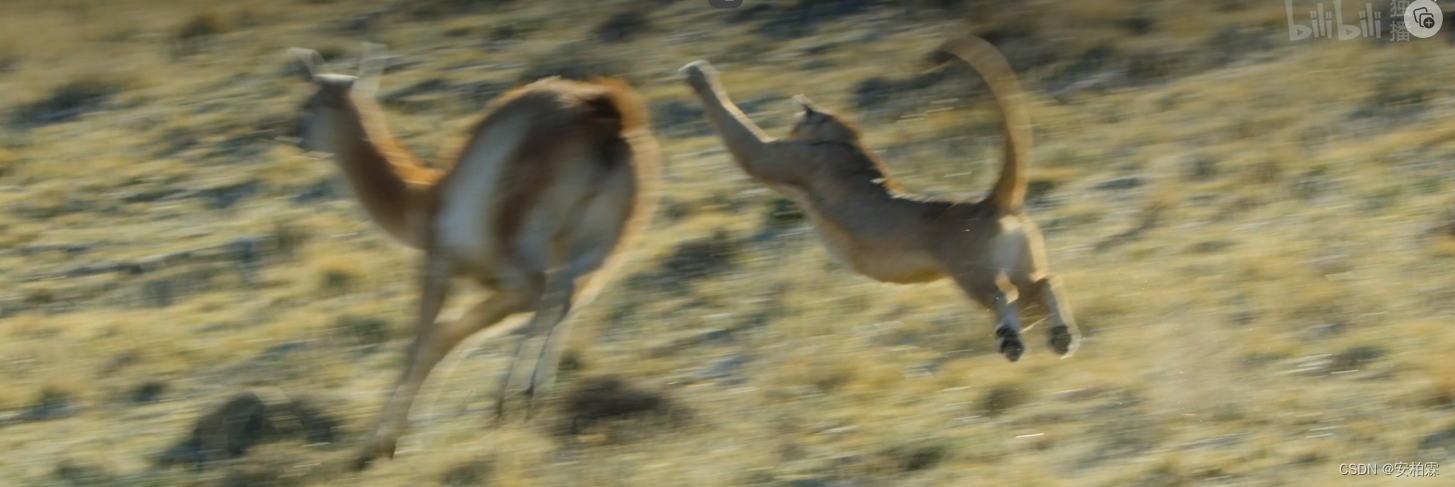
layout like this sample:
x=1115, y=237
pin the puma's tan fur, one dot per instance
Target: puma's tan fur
x=991, y=249
x=557, y=177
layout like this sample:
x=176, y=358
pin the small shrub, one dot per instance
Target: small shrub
x=622, y=26
x=783, y=212
x=203, y=24
x=474, y=472
x=362, y=331
x=67, y=102
x=600, y=398
x=574, y=65
x=1002, y=398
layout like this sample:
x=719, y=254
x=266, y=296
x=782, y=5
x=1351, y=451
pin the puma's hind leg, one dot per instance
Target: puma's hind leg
x=1063, y=334
x=998, y=294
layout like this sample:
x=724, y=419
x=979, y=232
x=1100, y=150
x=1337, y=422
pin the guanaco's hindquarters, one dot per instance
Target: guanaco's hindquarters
x=552, y=183
x=991, y=249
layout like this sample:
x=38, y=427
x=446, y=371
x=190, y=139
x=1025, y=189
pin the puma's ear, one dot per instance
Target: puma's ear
x=808, y=106
x=312, y=61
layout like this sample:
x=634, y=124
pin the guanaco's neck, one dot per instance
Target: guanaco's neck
x=386, y=180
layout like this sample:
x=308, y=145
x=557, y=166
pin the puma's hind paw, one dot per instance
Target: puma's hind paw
x=1011, y=347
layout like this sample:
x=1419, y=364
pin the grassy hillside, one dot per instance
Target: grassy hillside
x=1255, y=233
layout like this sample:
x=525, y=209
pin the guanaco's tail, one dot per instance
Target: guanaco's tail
x=1010, y=190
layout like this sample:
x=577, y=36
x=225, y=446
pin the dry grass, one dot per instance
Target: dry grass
x=1269, y=299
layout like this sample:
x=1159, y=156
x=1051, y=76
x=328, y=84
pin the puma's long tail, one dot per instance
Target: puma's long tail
x=1010, y=190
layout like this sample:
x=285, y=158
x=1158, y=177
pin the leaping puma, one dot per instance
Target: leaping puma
x=992, y=250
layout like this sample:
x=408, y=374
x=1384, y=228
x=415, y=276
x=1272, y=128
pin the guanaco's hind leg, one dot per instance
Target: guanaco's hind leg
x=579, y=246
x=431, y=344
x=1001, y=297
x=551, y=310
x=555, y=306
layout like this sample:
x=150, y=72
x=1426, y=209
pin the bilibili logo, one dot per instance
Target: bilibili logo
x=1330, y=23
x=1420, y=18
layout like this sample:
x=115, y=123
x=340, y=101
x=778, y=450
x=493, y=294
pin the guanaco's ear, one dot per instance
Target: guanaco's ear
x=808, y=106
x=311, y=59
x=371, y=66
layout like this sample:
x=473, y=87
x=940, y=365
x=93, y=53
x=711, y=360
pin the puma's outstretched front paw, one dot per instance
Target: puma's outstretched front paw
x=698, y=74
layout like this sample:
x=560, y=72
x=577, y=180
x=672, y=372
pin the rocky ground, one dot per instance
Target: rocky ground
x=1255, y=234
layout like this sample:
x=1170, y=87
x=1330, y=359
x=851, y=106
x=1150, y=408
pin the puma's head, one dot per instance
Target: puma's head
x=815, y=125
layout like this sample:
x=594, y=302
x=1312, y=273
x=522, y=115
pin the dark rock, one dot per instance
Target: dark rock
x=874, y=91
x=432, y=85
x=477, y=472
x=679, y=116
x=1137, y=24
x=574, y=62
x=246, y=420
x=1210, y=246
x=727, y=370
x=1324, y=331
x=608, y=397
x=284, y=349
x=316, y=193
x=749, y=13
x=783, y=212
x=227, y=432
x=1235, y=41
x=148, y=392
x=66, y=102
x=361, y=331
x=1002, y=398
x=923, y=458
x=260, y=475
x=1127, y=182
x=1201, y=168
x=1354, y=357
x=700, y=258
x=77, y=473
x=1440, y=442
x=158, y=293
x=1152, y=66
x=51, y=404
x=68, y=249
